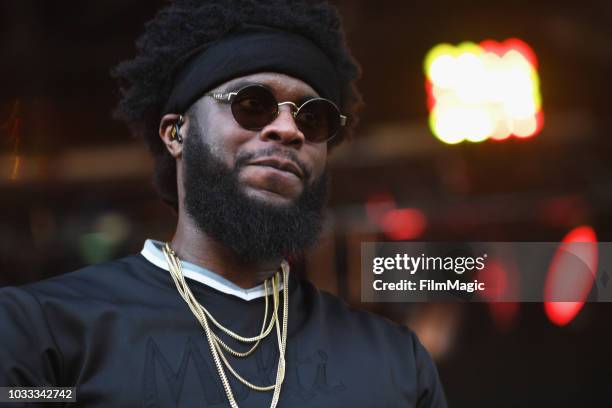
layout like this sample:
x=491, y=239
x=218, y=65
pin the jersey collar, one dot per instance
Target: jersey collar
x=152, y=251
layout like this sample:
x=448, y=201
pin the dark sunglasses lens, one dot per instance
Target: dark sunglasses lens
x=319, y=120
x=254, y=107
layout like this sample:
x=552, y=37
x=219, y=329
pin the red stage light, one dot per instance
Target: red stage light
x=377, y=205
x=571, y=274
x=501, y=284
x=403, y=223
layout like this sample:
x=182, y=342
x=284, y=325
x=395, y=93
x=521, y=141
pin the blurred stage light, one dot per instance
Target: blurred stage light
x=377, y=205
x=501, y=282
x=396, y=223
x=483, y=91
x=110, y=230
x=572, y=273
x=403, y=223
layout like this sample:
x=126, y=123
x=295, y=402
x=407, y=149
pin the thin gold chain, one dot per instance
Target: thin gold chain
x=247, y=353
x=217, y=346
x=173, y=260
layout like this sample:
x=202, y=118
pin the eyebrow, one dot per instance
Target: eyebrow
x=235, y=87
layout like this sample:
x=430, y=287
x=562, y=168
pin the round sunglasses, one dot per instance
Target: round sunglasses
x=254, y=107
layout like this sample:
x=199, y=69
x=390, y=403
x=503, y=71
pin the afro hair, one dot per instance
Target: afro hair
x=146, y=80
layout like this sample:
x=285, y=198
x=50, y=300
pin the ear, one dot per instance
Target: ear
x=166, y=128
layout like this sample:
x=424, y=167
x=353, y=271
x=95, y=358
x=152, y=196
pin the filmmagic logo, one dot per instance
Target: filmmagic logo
x=430, y=286
x=413, y=264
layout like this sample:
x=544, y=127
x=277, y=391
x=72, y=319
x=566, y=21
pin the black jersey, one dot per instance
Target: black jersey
x=121, y=334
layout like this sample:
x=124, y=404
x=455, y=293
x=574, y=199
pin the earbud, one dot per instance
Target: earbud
x=176, y=129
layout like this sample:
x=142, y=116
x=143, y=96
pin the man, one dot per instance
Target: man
x=245, y=100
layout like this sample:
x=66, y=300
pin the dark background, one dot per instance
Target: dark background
x=75, y=187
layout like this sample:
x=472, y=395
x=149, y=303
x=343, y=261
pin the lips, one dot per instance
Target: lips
x=279, y=164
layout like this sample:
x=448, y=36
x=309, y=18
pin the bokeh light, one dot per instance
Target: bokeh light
x=483, y=91
x=403, y=223
x=568, y=277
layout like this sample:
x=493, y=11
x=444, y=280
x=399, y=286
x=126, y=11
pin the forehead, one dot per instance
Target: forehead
x=282, y=85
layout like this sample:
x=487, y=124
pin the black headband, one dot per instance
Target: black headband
x=253, y=49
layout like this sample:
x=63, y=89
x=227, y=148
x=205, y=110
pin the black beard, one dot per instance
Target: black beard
x=254, y=230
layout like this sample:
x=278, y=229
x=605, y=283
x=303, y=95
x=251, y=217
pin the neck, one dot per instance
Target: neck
x=197, y=247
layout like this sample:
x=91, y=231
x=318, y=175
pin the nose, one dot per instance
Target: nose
x=283, y=129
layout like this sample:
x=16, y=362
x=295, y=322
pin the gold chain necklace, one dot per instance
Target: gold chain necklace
x=217, y=345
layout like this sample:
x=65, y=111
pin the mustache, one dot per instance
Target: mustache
x=244, y=158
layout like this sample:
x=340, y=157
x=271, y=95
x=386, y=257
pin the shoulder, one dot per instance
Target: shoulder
x=396, y=349
x=336, y=314
x=89, y=282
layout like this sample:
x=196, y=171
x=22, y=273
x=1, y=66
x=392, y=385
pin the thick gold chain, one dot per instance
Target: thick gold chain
x=217, y=345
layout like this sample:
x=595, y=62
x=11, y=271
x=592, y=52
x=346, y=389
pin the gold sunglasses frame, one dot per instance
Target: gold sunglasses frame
x=228, y=97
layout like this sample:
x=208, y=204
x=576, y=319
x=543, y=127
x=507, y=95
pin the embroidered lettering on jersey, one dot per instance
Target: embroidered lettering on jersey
x=168, y=378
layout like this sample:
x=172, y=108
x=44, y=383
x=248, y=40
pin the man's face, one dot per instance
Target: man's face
x=280, y=141
x=233, y=188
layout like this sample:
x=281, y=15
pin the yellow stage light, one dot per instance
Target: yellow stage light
x=481, y=91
